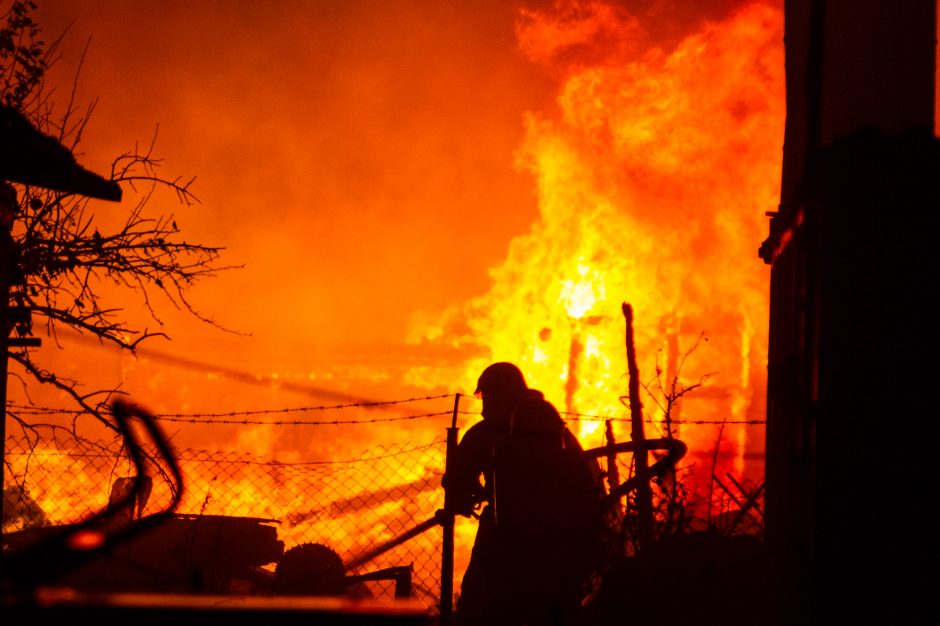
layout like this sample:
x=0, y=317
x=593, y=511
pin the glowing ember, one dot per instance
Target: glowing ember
x=86, y=540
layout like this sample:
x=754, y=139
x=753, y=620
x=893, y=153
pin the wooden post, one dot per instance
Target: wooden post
x=644, y=496
x=613, y=473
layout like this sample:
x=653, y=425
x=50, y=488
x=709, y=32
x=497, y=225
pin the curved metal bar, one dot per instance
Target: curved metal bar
x=675, y=450
x=77, y=544
x=636, y=446
x=123, y=412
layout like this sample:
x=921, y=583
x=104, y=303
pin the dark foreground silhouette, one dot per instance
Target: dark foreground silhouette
x=539, y=506
x=700, y=578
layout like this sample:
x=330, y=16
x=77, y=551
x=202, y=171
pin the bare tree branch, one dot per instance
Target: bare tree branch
x=64, y=254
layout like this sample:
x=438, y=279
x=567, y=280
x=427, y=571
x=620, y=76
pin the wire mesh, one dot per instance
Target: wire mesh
x=350, y=507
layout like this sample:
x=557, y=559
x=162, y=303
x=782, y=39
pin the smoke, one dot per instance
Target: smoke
x=375, y=167
x=653, y=176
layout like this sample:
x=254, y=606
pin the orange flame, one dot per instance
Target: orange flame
x=653, y=181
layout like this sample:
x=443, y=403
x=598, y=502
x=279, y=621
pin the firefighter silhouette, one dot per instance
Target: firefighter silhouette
x=540, y=523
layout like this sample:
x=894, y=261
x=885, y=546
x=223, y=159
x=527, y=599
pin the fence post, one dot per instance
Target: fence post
x=644, y=495
x=447, y=522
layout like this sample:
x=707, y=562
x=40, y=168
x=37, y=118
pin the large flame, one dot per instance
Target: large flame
x=653, y=172
x=653, y=182
x=653, y=176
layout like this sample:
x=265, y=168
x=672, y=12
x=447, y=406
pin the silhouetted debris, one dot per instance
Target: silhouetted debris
x=698, y=578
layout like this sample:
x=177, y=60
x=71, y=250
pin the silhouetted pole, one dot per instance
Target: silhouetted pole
x=447, y=522
x=644, y=496
x=29, y=157
x=613, y=472
x=7, y=206
x=9, y=315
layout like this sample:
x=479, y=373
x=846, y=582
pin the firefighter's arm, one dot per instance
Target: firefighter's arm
x=462, y=486
x=462, y=493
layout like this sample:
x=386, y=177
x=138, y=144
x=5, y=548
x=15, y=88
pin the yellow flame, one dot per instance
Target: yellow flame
x=652, y=185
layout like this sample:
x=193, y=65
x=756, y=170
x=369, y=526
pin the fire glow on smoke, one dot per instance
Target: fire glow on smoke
x=653, y=170
x=653, y=183
x=653, y=175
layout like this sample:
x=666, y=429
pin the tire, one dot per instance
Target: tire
x=310, y=569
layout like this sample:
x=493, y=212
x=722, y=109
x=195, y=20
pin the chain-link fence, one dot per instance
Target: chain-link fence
x=350, y=507
x=235, y=503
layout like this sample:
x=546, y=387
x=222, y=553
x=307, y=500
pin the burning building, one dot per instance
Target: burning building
x=652, y=172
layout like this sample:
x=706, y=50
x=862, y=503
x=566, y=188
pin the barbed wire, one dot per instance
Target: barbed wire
x=586, y=417
x=210, y=417
x=312, y=408
x=374, y=420
x=24, y=409
x=27, y=408
x=598, y=418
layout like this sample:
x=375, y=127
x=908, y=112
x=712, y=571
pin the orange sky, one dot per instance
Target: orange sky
x=334, y=148
x=358, y=158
